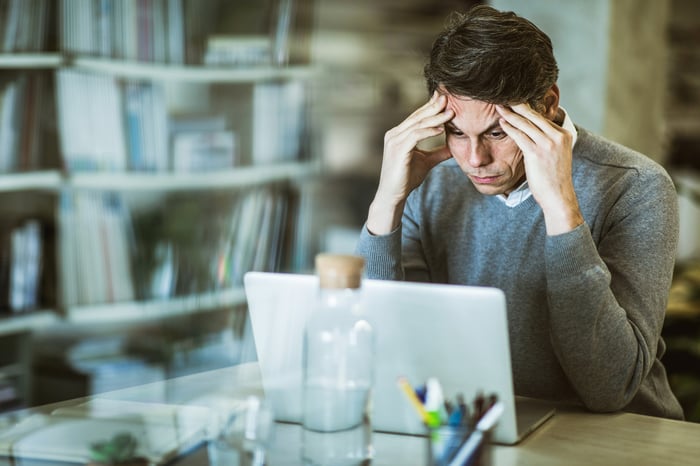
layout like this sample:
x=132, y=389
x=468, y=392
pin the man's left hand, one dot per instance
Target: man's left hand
x=547, y=152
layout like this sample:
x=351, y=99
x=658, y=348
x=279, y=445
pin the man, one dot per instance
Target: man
x=578, y=231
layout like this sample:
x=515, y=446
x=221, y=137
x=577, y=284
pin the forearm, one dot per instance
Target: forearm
x=562, y=214
x=384, y=216
x=605, y=332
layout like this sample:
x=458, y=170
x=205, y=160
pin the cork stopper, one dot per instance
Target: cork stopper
x=339, y=270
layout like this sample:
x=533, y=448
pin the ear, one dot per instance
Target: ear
x=551, y=102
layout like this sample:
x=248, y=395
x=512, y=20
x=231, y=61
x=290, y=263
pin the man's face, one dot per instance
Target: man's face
x=491, y=160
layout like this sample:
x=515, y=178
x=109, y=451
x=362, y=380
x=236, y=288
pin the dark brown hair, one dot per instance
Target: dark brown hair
x=492, y=56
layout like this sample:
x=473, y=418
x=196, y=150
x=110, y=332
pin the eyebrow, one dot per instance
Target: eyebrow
x=493, y=126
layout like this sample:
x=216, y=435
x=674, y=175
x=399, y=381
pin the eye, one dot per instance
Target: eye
x=496, y=134
x=453, y=131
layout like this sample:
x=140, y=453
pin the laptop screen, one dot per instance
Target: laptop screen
x=458, y=334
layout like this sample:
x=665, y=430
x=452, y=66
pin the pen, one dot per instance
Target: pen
x=460, y=413
x=455, y=418
x=471, y=445
x=407, y=389
x=420, y=392
x=479, y=402
x=434, y=401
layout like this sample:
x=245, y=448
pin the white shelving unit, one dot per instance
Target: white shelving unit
x=49, y=180
x=236, y=178
x=31, y=321
x=134, y=312
x=72, y=186
x=203, y=74
x=30, y=60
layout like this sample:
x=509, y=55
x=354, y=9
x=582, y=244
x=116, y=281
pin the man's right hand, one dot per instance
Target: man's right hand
x=404, y=166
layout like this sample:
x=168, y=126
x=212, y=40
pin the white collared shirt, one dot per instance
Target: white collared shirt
x=522, y=192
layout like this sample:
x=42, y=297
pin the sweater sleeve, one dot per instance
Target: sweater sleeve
x=382, y=254
x=398, y=255
x=607, y=301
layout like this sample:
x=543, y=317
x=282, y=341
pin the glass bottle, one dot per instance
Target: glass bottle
x=338, y=368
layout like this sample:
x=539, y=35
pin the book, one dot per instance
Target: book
x=175, y=32
x=243, y=51
x=90, y=122
x=103, y=23
x=69, y=276
x=278, y=121
x=281, y=32
x=96, y=247
x=11, y=24
x=23, y=104
x=26, y=245
x=134, y=30
x=196, y=151
x=10, y=111
x=132, y=116
x=23, y=25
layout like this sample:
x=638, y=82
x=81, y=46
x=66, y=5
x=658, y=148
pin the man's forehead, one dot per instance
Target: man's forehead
x=472, y=114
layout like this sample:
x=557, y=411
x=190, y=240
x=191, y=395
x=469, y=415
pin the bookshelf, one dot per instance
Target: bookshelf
x=26, y=61
x=167, y=72
x=238, y=178
x=163, y=154
x=47, y=180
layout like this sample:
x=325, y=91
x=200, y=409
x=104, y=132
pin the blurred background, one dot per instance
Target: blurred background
x=153, y=151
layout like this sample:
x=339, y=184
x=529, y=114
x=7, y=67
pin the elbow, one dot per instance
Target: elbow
x=608, y=398
x=607, y=404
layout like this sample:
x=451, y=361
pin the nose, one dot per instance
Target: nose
x=478, y=154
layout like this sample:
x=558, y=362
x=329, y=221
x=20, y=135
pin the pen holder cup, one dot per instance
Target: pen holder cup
x=458, y=446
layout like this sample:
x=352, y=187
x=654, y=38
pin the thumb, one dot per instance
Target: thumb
x=435, y=156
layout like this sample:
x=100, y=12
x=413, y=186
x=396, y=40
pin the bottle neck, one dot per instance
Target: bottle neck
x=339, y=297
x=334, y=279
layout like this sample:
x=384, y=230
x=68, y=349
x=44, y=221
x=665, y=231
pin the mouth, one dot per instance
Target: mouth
x=484, y=179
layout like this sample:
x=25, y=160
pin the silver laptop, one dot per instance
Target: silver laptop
x=458, y=334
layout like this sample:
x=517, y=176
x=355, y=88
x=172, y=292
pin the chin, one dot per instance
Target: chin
x=489, y=190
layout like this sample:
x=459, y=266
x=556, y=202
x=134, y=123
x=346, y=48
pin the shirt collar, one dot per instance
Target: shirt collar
x=522, y=192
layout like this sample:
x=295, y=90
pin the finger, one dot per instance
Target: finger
x=536, y=119
x=401, y=131
x=428, y=122
x=429, y=104
x=521, y=139
x=434, y=106
x=523, y=125
x=524, y=132
x=408, y=140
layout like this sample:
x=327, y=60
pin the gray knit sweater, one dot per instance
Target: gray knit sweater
x=585, y=308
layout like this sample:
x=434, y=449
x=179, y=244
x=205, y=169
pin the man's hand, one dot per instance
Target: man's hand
x=404, y=166
x=547, y=153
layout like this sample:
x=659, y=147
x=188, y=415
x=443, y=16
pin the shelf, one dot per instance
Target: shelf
x=207, y=74
x=133, y=312
x=237, y=177
x=27, y=321
x=49, y=180
x=12, y=370
x=53, y=180
x=30, y=60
